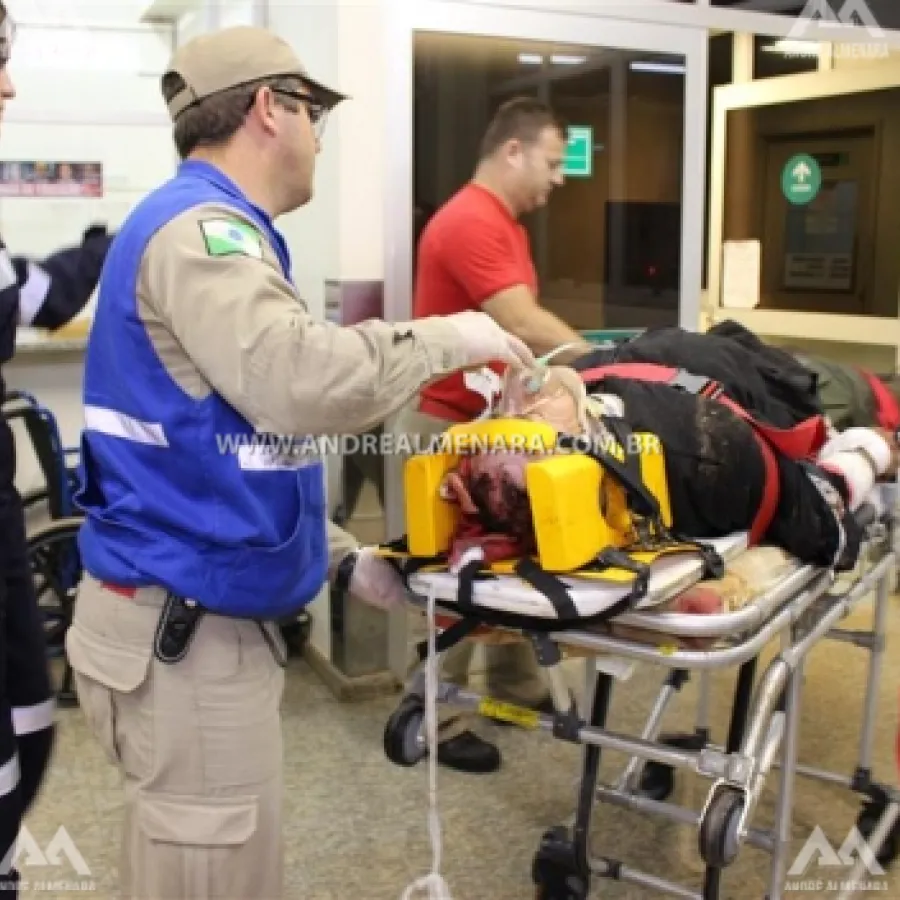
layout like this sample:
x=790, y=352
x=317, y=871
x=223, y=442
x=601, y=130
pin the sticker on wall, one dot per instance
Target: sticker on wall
x=801, y=179
x=579, y=158
x=51, y=179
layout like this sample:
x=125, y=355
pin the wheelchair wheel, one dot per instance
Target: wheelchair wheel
x=56, y=571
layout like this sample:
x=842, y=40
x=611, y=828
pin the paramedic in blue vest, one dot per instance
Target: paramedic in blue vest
x=198, y=538
x=43, y=293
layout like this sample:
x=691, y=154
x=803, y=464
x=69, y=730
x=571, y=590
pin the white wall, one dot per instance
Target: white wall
x=87, y=89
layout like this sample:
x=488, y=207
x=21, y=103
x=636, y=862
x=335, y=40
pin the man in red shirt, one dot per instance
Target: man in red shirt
x=474, y=254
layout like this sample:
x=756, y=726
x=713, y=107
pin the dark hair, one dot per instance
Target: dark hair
x=523, y=119
x=214, y=120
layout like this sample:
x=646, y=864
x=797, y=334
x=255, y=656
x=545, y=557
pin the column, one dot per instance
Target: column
x=337, y=248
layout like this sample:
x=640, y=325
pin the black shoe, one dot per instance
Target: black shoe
x=466, y=752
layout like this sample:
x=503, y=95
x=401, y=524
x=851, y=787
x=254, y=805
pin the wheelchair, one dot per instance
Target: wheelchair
x=52, y=539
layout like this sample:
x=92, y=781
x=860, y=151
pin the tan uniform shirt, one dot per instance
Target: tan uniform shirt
x=222, y=318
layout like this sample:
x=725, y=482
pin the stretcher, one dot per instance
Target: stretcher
x=799, y=605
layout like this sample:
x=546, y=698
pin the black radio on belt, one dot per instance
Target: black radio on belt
x=176, y=628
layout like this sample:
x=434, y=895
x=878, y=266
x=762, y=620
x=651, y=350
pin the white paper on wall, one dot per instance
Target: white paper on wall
x=741, y=274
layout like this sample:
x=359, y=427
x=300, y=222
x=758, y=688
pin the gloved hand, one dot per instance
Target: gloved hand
x=487, y=342
x=376, y=582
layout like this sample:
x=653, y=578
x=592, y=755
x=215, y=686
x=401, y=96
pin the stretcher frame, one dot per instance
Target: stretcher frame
x=804, y=609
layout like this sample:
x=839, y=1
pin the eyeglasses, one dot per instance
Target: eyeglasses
x=318, y=112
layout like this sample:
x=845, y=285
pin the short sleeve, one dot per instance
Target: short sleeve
x=484, y=260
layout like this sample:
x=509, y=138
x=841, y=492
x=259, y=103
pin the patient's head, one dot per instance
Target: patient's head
x=491, y=488
x=560, y=401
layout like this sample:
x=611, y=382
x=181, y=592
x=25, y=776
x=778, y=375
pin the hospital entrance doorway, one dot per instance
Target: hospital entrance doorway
x=803, y=228
x=819, y=255
x=619, y=245
x=608, y=247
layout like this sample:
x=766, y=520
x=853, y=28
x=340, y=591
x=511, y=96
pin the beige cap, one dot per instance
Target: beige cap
x=225, y=59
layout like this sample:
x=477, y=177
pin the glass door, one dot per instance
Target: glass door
x=620, y=244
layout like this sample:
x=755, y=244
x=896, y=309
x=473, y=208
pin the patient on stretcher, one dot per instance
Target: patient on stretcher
x=718, y=474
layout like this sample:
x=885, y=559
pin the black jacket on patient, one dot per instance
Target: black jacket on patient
x=716, y=473
x=715, y=468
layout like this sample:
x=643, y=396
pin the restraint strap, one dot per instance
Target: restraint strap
x=449, y=637
x=641, y=500
x=800, y=442
x=550, y=586
x=768, y=505
x=887, y=410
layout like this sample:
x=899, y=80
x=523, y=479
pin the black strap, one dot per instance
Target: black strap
x=644, y=503
x=611, y=558
x=466, y=580
x=549, y=585
x=457, y=632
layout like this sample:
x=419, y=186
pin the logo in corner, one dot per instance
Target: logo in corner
x=852, y=13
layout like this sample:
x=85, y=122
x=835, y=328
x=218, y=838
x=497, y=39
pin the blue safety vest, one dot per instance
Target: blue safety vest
x=169, y=501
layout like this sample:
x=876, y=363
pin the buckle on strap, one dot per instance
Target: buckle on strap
x=611, y=558
x=696, y=384
x=176, y=628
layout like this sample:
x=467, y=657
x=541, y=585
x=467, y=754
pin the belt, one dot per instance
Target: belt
x=177, y=624
x=441, y=410
x=121, y=589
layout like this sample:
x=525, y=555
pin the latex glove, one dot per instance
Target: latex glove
x=376, y=582
x=487, y=342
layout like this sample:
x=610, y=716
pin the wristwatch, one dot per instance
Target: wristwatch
x=344, y=572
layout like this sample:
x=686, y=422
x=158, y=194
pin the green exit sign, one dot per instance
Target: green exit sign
x=579, y=159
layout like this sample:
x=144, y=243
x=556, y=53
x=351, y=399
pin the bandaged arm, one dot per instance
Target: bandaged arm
x=859, y=456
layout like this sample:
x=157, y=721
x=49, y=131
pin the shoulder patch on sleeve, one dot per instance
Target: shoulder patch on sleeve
x=229, y=237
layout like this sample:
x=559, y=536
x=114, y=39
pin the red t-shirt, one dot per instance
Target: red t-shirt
x=472, y=248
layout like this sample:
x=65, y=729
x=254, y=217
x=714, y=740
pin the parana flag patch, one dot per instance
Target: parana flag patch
x=227, y=237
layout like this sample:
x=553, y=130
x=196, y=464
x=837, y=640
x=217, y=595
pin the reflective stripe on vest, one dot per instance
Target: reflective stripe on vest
x=178, y=492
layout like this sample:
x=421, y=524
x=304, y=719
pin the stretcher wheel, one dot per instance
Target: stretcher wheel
x=718, y=838
x=554, y=870
x=868, y=820
x=657, y=781
x=402, y=743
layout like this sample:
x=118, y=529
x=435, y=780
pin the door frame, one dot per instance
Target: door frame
x=828, y=327
x=404, y=21
x=588, y=30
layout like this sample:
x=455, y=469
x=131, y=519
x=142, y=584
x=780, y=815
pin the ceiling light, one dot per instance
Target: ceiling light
x=659, y=68
x=792, y=48
x=530, y=59
x=563, y=60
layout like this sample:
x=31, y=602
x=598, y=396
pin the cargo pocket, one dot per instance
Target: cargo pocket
x=203, y=847
x=107, y=675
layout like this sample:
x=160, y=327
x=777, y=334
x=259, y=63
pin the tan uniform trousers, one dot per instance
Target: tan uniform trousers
x=511, y=672
x=198, y=742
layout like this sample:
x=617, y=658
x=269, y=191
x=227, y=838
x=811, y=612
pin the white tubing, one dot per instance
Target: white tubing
x=433, y=884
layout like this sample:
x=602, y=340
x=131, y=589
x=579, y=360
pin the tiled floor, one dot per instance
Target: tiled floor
x=356, y=825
